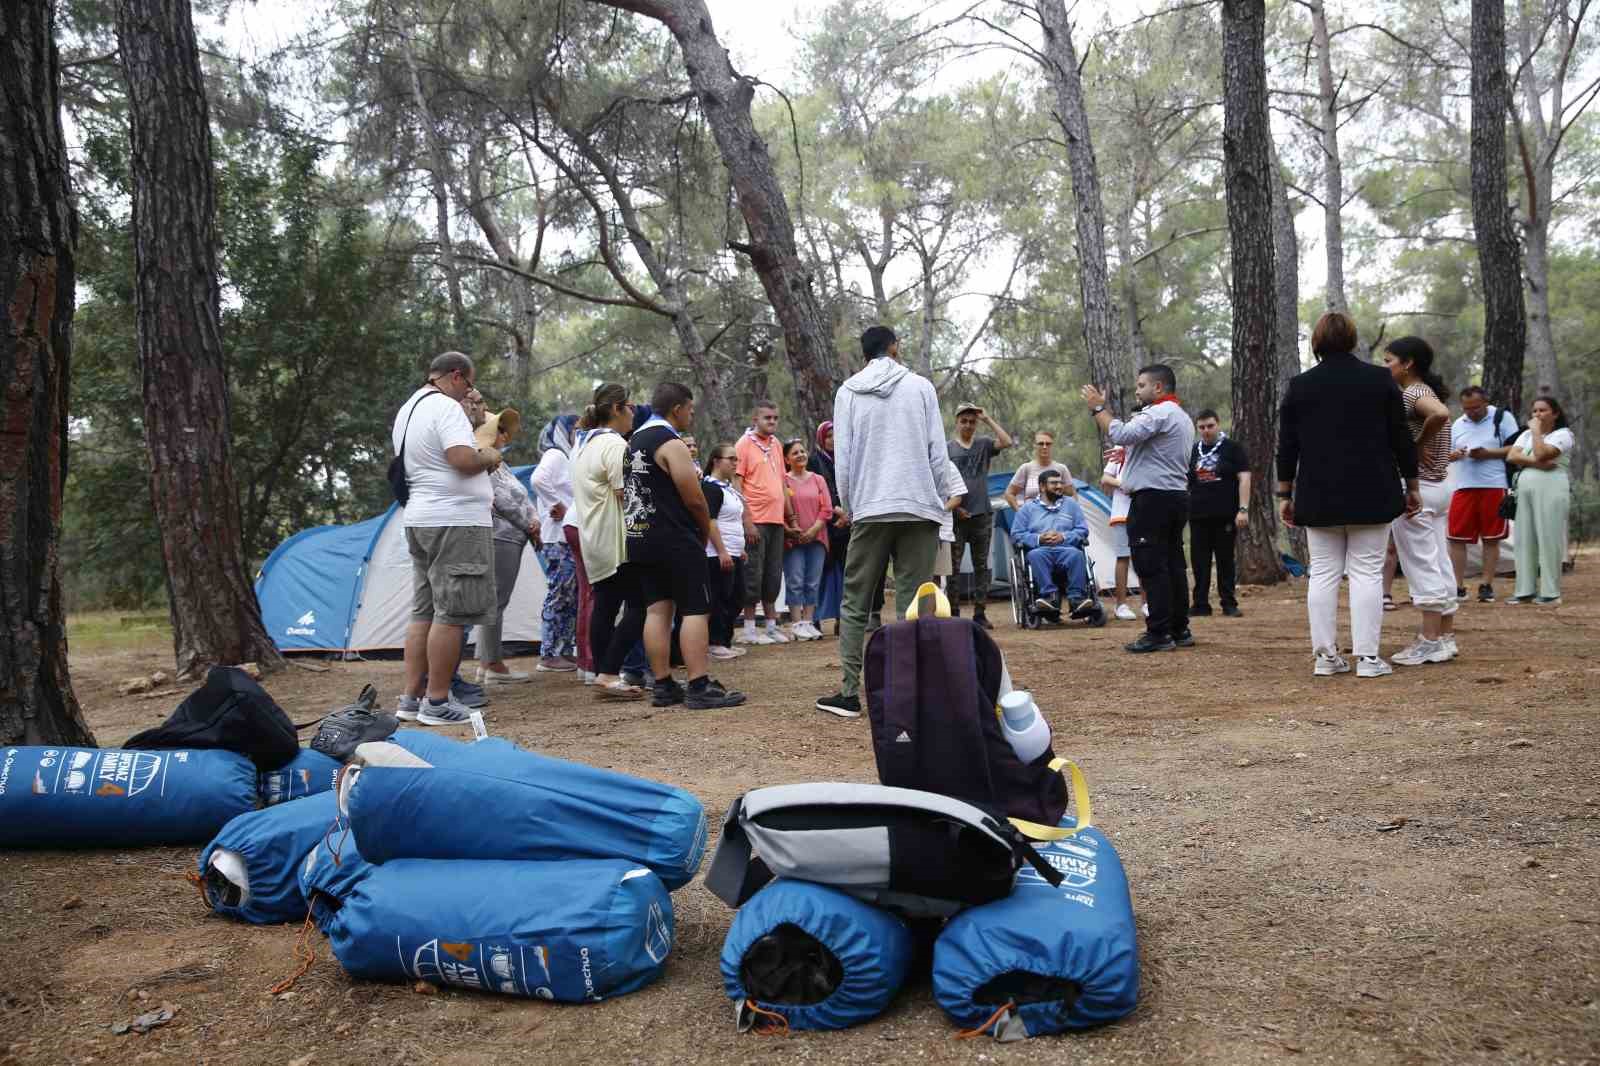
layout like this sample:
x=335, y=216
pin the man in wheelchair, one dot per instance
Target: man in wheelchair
x=1051, y=530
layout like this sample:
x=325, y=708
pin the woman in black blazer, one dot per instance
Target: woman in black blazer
x=1343, y=448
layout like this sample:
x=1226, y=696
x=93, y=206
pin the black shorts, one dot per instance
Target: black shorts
x=675, y=572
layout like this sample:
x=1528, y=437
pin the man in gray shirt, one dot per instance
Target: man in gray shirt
x=974, y=521
x=1157, y=441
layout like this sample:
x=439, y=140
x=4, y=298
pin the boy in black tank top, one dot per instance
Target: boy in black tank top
x=668, y=526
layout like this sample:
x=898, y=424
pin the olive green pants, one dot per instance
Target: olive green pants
x=912, y=546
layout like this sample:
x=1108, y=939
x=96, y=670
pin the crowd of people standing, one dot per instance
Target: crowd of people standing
x=656, y=562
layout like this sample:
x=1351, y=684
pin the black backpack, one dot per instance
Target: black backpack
x=397, y=466
x=231, y=712
x=932, y=687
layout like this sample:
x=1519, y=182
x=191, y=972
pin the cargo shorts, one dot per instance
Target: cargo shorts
x=452, y=575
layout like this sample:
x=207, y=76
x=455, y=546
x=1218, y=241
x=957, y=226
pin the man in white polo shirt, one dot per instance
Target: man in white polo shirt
x=449, y=529
x=1479, y=440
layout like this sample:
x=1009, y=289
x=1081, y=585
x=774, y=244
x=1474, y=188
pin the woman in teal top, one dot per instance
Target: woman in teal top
x=1542, y=455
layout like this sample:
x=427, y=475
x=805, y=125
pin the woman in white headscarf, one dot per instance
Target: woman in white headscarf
x=552, y=483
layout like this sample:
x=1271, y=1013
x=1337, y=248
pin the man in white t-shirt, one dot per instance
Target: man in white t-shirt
x=1111, y=484
x=449, y=533
x=1479, y=440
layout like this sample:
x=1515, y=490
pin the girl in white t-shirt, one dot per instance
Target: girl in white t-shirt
x=1121, y=502
x=1542, y=455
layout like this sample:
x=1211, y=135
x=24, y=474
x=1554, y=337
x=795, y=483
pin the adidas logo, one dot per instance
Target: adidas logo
x=903, y=738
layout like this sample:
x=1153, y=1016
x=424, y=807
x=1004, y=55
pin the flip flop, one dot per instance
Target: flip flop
x=617, y=690
x=1388, y=604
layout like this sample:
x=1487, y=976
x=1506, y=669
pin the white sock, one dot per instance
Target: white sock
x=772, y=625
x=750, y=627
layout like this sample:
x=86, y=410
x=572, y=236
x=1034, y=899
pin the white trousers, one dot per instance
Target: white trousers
x=1420, y=542
x=1336, y=551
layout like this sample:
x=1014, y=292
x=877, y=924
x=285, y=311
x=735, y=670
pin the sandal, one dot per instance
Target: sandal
x=1388, y=603
x=619, y=690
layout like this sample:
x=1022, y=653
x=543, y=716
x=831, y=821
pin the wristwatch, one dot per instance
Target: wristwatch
x=1244, y=510
x=1097, y=408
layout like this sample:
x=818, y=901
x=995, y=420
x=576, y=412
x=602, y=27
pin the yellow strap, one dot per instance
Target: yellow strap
x=1081, y=807
x=941, y=606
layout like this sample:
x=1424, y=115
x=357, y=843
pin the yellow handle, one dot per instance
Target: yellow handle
x=941, y=606
x=1082, y=810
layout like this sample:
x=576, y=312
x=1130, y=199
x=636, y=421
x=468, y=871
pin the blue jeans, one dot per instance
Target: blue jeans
x=802, y=574
x=1048, y=561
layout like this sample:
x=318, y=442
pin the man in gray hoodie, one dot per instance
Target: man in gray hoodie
x=889, y=454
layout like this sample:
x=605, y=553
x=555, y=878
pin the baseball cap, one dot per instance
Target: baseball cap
x=967, y=406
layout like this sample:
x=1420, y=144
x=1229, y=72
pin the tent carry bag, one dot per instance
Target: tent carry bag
x=251, y=869
x=306, y=774
x=107, y=797
x=494, y=800
x=577, y=931
x=813, y=956
x=1048, y=958
x=919, y=853
x=932, y=688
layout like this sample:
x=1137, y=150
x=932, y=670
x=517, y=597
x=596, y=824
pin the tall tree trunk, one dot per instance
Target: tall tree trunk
x=1109, y=366
x=1539, y=161
x=1499, y=256
x=38, y=232
x=215, y=616
x=1332, y=164
x=1132, y=318
x=1286, y=258
x=1246, y=154
x=725, y=99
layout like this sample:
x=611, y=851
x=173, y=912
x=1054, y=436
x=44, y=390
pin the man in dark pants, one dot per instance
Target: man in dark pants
x=1155, y=474
x=1219, y=506
x=974, y=521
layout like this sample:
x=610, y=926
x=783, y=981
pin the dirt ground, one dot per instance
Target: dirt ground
x=1277, y=921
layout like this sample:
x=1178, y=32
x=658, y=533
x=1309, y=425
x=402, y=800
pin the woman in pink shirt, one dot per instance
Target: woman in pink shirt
x=805, y=542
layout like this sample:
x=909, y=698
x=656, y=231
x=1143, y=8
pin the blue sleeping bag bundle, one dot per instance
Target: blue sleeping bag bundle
x=306, y=774
x=1044, y=960
x=813, y=955
x=493, y=800
x=574, y=932
x=58, y=797
x=251, y=870
x=329, y=873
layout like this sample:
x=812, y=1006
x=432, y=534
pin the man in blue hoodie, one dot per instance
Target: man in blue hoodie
x=1052, y=528
x=889, y=456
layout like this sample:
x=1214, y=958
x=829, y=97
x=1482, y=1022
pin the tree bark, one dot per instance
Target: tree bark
x=1246, y=153
x=1132, y=317
x=725, y=98
x=1286, y=259
x=38, y=232
x=1539, y=160
x=1499, y=256
x=1332, y=164
x=1108, y=363
x=215, y=616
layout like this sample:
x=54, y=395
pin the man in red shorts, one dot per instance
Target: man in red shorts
x=1478, y=443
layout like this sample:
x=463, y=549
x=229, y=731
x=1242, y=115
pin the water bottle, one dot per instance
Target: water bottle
x=479, y=732
x=1025, y=728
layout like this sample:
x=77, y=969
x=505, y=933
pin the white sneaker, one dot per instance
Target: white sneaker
x=487, y=677
x=760, y=638
x=812, y=632
x=1125, y=613
x=1145, y=610
x=405, y=708
x=449, y=713
x=746, y=636
x=1372, y=666
x=1328, y=665
x=776, y=635
x=1422, y=651
x=1450, y=645
x=717, y=651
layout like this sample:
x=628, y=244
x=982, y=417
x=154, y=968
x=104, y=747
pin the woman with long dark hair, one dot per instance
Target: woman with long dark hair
x=1544, y=494
x=1343, y=448
x=597, y=475
x=1420, y=539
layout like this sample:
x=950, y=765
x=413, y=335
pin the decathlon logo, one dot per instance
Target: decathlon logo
x=304, y=626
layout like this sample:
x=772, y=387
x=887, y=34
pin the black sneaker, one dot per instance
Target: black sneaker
x=841, y=705
x=955, y=610
x=1200, y=610
x=981, y=620
x=1485, y=593
x=1232, y=612
x=643, y=680
x=1047, y=608
x=1184, y=639
x=711, y=696
x=1084, y=608
x=666, y=693
x=1461, y=595
x=1147, y=643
